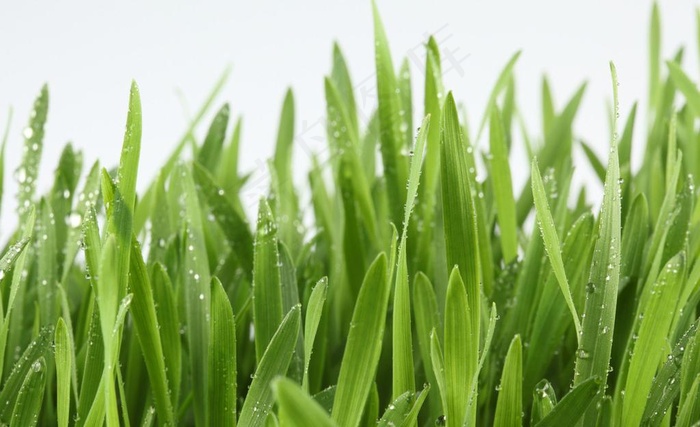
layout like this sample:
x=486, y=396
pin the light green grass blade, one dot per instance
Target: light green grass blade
x=274, y=362
x=686, y=86
x=169, y=323
x=131, y=150
x=341, y=77
x=510, y=396
x=314, y=311
x=14, y=251
x=297, y=408
x=551, y=242
x=473, y=392
x=5, y=134
x=388, y=93
x=574, y=404
x=267, y=291
x=403, y=82
x=143, y=314
x=438, y=362
x=503, y=188
x=501, y=83
x=364, y=345
x=460, y=360
x=654, y=57
x=222, y=359
x=543, y=401
x=64, y=365
x=654, y=327
x=210, y=153
x=594, y=161
x=593, y=355
x=28, y=171
x=30, y=397
x=403, y=375
x=425, y=311
x=46, y=254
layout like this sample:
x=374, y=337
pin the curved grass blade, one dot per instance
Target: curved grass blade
x=314, y=311
x=267, y=288
x=543, y=401
x=30, y=397
x=404, y=409
x=297, y=408
x=35, y=350
x=63, y=354
x=574, y=404
x=222, y=359
x=501, y=83
x=273, y=363
x=364, y=345
x=510, y=396
x=551, y=242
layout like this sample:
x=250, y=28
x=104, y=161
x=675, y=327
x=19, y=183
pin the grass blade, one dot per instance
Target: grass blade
x=510, y=401
x=314, y=312
x=364, y=344
x=503, y=188
x=297, y=408
x=64, y=365
x=222, y=359
x=459, y=356
x=574, y=404
x=274, y=362
x=30, y=397
x=28, y=171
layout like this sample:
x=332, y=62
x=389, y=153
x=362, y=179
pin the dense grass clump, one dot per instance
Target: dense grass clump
x=417, y=296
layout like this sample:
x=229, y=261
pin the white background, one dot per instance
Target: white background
x=88, y=53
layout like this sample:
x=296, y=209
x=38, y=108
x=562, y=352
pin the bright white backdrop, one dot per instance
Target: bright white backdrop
x=89, y=52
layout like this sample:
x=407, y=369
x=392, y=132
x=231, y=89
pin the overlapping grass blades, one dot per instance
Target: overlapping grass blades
x=416, y=287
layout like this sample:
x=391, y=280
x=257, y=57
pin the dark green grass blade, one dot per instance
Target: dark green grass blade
x=267, y=291
x=169, y=322
x=364, y=344
x=143, y=312
x=543, y=401
x=30, y=397
x=274, y=362
x=222, y=359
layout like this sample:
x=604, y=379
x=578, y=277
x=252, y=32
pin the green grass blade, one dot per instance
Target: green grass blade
x=341, y=78
x=460, y=360
x=510, y=396
x=654, y=57
x=551, y=242
x=274, y=362
x=143, y=312
x=169, y=322
x=314, y=311
x=402, y=344
x=593, y=355
x=689, y=412
x=425, y=311
x=131, y=150
x=403, y=410
x=459, y=215
x=267, y=290
x=210, y=153
x=388, y=92
x=364, y=344
x=438, y=362
x=297, y=408
x=654, y=327
x=503, y=188
x=501, y=83
x=64, y=365
x=28, y=171
x=543, y=401
x=30, y=397
x=686, y=86
x=5, y=134
x=574, y=404
x=46, y=253
x=594, y=161
x=197, y=292
x=222, y=359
